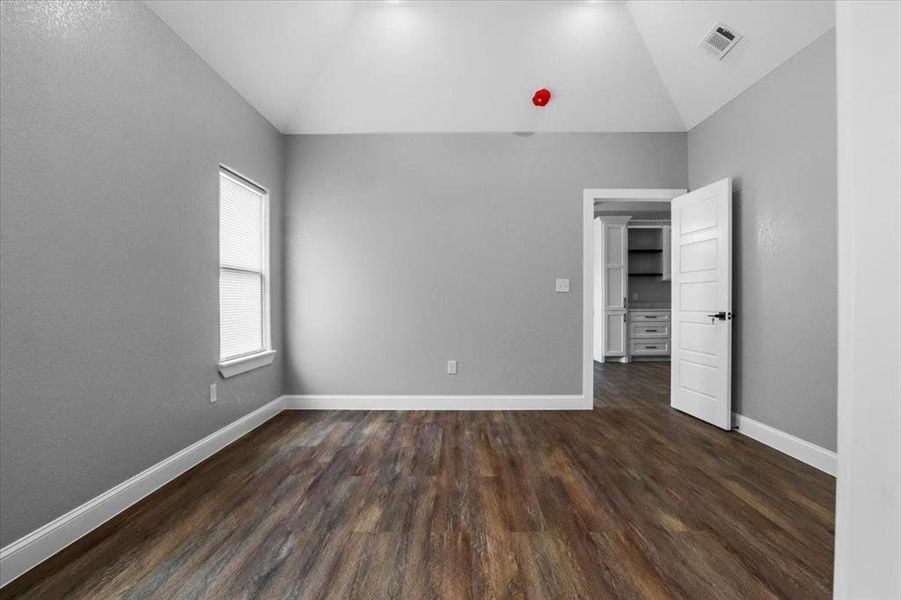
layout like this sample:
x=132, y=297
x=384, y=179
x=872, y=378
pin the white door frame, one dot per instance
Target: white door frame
x=589, y=196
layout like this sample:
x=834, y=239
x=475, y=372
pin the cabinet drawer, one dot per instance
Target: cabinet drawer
x=648, y=315
x=649, y=329
x=650, y=347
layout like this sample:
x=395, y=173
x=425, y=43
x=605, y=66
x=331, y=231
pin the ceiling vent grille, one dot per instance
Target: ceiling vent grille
x=719, y=40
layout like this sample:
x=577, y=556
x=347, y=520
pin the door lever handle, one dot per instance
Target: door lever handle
x=720, y=315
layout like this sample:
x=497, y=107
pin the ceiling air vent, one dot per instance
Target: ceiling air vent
x=719, y=40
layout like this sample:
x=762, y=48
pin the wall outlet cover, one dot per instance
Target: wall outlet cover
x=451, y=367
x=213, y=397
x=562, y=286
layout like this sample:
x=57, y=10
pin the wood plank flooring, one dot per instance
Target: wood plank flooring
x=630, y=500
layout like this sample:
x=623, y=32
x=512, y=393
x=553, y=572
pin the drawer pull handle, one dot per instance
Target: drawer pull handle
x=651, y=330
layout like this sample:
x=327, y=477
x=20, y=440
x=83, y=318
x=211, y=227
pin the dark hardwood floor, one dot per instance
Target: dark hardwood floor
x=630, y=500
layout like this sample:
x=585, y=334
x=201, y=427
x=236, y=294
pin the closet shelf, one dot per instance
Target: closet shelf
x=645, y=250
x=645, y=274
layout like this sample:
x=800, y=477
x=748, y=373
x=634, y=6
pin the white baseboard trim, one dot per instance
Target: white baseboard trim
x=813, y=455
x=413, y=402
x=39, y=545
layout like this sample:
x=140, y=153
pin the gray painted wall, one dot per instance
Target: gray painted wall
x=112, y=134
x=778, y=141
x=404, y=251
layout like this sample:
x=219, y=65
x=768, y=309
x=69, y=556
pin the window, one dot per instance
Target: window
x=243, y=275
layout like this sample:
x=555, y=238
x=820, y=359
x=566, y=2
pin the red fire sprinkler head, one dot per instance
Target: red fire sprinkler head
x=541, y=97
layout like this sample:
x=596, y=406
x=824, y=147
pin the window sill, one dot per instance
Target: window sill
x=236, y=366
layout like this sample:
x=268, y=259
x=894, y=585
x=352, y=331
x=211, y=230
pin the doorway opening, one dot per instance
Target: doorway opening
x=660, y=292
x=632, y=287
x=629, y=236
x=601, y=268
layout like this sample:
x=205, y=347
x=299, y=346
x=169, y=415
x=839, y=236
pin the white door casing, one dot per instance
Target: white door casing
x=701, y=372
x=597, y=297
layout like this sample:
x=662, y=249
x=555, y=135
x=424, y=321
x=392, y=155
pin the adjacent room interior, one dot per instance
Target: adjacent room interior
x=471, y=299
x=632, y=284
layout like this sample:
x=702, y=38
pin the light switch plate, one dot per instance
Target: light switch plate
x=562, y=285
x=212, y=393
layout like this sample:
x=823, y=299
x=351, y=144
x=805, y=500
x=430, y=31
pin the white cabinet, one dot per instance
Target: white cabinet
x=649, y=330
x=650, y=348
x=615, y=265
x=649, y=333
x=650, y=316
x=614, y=286
x=615, y=338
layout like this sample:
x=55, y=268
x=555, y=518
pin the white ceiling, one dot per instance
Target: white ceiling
x=698, y=83
x=430, y=66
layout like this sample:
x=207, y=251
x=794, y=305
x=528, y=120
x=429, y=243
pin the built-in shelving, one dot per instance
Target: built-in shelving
x=645, y=274
x=645, y=250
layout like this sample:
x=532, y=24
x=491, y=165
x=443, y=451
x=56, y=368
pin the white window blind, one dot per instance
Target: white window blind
x=243, y=268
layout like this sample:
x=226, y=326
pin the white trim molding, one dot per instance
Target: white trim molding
x=242, y=364
x=588, y=297
x=815, y=456
x=645, y=195
x=412, y=402
x=39, y=545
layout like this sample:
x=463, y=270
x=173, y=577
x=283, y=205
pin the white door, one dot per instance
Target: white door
x=701, y=376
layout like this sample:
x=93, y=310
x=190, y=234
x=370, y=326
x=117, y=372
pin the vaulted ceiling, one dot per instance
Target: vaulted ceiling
x=431, y=66
x=698, y=84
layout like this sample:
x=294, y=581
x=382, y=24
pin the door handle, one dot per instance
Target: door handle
x=722, y=316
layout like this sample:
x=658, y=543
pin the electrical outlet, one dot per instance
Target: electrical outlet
x=451, y=367
x=212, y=393
x=562, y=286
